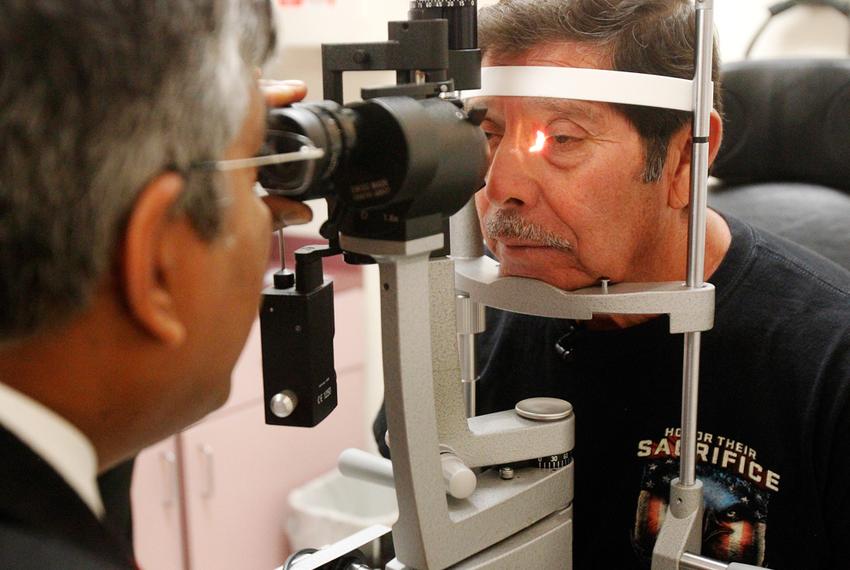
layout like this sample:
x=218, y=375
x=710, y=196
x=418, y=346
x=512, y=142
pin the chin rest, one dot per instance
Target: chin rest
x=785, y=160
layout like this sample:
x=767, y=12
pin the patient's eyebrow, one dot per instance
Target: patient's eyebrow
x=585, y=113
x=572, y=109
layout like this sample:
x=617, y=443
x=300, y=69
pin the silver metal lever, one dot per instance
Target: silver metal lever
x=459, y=479
x=694, y=562
x=358, y=464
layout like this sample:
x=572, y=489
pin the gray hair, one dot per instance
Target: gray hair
x=641, y=36
x=97, y=98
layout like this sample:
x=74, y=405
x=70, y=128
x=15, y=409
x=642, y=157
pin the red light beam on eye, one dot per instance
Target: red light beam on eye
x=539, y=143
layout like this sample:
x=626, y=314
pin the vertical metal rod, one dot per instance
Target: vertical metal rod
x=703, y=103
x=469, y=374
x=469, y=398
x=690, y=399
x=281, y=249
x=470, y=321
x=467, y=242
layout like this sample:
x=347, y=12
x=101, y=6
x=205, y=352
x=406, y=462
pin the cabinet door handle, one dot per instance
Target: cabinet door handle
x=169, y=472
x=209, y=471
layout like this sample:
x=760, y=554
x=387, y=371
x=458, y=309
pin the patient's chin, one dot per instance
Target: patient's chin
x=561, y=276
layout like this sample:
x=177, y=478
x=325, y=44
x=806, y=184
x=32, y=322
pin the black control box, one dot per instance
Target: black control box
x=297, y=330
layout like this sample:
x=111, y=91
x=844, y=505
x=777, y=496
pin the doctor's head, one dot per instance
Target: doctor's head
x=130, y=268
x=580, y=190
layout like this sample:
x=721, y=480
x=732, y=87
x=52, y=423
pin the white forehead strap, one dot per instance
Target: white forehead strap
x=586, y=84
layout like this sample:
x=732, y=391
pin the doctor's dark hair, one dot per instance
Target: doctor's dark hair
x=641, y=36
x=96, y=99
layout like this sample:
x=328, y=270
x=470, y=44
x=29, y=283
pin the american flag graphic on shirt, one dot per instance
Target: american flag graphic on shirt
x=736, y=491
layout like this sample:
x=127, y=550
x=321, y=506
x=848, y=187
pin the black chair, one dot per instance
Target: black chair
x=784, y=165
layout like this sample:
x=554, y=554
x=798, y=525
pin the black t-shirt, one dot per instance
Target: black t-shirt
x=774, y=412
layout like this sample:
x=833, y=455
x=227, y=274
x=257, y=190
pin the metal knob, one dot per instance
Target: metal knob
x=544, y=409
x=283, y=404
x=460, y=480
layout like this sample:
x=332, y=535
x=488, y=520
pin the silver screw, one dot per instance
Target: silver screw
x=506, y=473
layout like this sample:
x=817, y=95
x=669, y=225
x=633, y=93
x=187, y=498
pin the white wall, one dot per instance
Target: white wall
x=801, y=31
x=339, y=21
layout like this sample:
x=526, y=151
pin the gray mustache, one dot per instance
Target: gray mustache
x=501, y=224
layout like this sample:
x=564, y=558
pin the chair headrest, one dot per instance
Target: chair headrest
x=786, y=120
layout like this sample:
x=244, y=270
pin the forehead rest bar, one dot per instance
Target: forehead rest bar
x=586, y=84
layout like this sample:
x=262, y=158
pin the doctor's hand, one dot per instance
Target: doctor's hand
x=285, y=212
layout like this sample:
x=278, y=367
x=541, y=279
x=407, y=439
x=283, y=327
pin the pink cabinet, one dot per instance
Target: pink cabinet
x=214, y=496
x=239, y=471
x=157, y=508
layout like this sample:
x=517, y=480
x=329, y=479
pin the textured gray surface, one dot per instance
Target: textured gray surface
x=424, y=403
x=545, y=545
x=689, y=309
x=467, y=240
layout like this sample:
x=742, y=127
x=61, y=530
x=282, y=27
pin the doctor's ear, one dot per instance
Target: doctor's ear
x=150, y=262
x=679, y=157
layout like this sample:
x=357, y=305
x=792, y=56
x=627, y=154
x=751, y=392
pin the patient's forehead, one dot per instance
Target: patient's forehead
x=590, y=112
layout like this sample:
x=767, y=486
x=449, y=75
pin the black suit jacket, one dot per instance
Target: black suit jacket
x=44, y=523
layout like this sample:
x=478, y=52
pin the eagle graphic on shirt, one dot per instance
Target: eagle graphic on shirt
x=736, y=493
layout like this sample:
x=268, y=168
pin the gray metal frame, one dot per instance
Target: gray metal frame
x=430, y=312
x=690, y=309
x=426, y=414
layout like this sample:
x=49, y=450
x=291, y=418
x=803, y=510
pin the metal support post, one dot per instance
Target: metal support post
x=468, y=243
x=682, y=529
x=703, y=104
x=470, y=322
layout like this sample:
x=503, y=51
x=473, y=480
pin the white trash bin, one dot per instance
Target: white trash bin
x=332, y=507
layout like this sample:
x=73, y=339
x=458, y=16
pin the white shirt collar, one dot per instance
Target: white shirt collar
x=56, y=440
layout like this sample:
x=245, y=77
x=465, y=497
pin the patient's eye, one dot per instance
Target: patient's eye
x=493, y=140
x=563, y=142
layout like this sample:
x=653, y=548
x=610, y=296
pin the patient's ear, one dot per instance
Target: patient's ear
x=679, y=159
x=149, y=259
